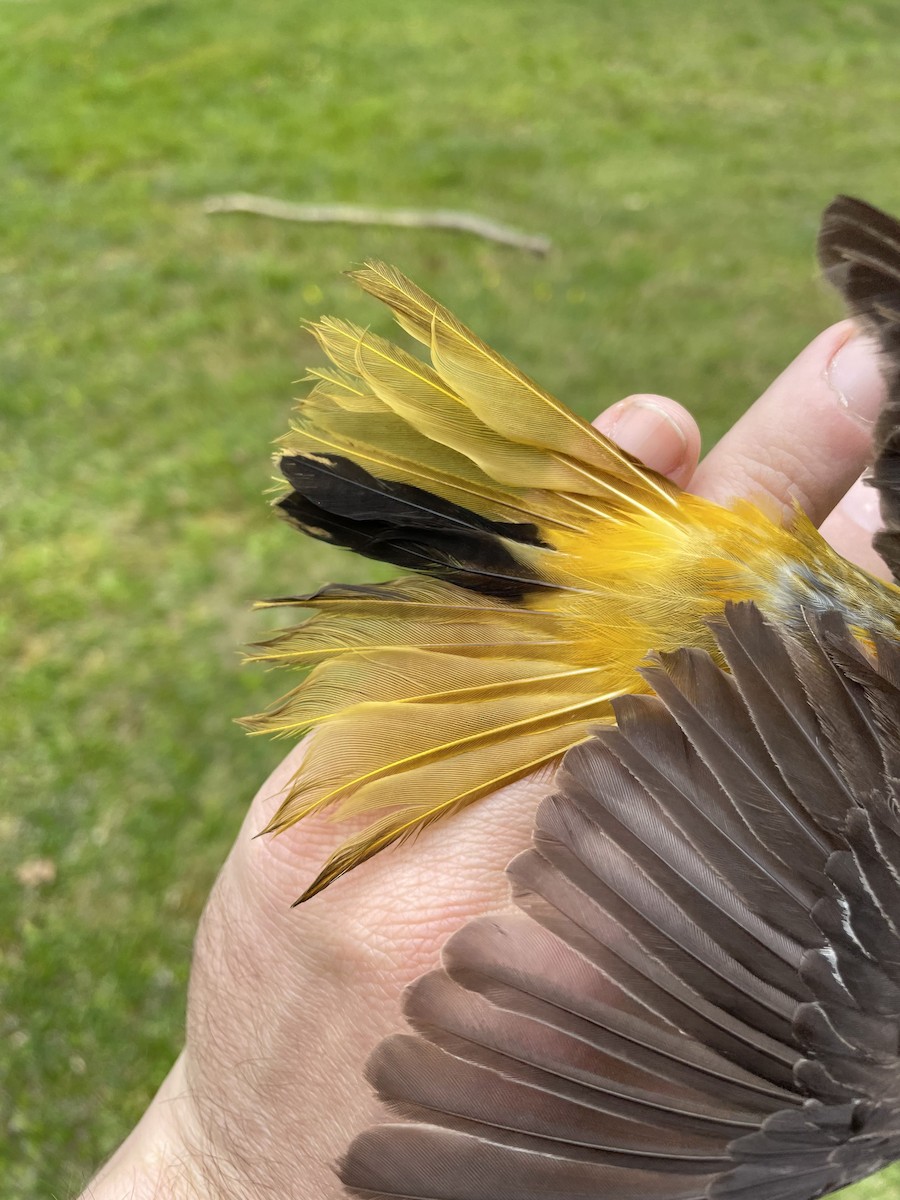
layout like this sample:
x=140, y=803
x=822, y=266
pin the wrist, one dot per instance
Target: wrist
x=164, y=1156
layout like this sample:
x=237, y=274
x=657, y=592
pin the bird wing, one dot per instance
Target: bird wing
x=700, y=993
x=859, y=251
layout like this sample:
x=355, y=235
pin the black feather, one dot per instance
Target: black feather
x=337, y=501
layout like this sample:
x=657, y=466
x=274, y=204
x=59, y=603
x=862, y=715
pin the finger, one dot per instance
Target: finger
x=662, y=434
x=850, y=526
x=809, y=436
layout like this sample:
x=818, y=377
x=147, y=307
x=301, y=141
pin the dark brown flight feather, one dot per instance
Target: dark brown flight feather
x=701, y=994
x=859, y=251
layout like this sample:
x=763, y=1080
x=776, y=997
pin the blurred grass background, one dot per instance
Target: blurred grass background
x=677, y=155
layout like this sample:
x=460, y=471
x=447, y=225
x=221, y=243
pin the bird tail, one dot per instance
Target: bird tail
x=430, y=691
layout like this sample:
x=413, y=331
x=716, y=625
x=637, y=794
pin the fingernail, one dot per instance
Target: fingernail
x=645, y=430
x=855, y=378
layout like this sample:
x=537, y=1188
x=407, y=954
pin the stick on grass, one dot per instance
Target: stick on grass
x=353, y=214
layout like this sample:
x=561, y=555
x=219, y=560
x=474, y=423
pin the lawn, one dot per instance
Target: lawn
x=677, y=156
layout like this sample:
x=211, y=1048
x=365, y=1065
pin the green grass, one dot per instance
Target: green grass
x=678, y=156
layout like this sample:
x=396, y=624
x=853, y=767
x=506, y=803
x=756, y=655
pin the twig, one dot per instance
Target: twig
x=352, y=214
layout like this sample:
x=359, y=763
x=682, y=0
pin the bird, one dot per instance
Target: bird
x=697, y=996
x=541, y=563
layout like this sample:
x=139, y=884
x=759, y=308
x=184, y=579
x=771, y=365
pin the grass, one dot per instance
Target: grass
x=677, y=155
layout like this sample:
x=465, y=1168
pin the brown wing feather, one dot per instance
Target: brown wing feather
x=859, y=250
x=678, y=1012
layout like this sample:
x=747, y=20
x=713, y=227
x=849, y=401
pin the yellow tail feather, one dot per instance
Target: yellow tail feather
x=551, y=564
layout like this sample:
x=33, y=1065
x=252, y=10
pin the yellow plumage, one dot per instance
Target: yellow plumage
x=552, y=563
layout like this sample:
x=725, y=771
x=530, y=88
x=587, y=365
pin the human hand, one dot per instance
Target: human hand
x=285, y=1005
